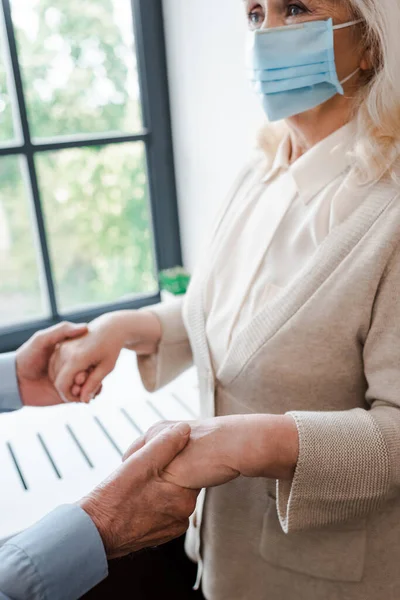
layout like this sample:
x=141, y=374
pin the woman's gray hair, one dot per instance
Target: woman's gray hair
x=377, y=146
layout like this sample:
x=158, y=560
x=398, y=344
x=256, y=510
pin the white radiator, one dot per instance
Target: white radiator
x=56, y=455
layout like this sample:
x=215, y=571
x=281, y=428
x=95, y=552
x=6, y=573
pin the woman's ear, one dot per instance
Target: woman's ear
x=366, y=63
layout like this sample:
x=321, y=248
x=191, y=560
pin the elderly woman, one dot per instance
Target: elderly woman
x=293, y=321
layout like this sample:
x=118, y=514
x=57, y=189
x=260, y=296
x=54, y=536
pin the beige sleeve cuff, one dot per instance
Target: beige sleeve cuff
x=343, y=471
x=174, y=353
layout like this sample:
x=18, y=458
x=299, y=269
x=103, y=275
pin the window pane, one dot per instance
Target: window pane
x=7, y=128
x=79, y=66
x=20, y=289
x=98, y=221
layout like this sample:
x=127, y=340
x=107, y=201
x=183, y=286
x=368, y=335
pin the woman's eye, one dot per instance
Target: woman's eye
x=256, y=18
x=294, y=10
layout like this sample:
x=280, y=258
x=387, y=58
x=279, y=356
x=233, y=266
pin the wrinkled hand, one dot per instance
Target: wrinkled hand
x=32, y=360
x=222, y=448
x=78, y=367
x=136, y=507
x=211, y=458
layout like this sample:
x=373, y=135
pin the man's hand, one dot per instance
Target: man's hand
x=135, y=507
x=33, y=358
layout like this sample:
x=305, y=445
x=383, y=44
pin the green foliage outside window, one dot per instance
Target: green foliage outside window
x=79, y=74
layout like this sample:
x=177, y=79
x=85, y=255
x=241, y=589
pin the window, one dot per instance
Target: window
x=88, y=211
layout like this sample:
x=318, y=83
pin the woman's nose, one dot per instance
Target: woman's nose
x=272, y=20
x=273, y=16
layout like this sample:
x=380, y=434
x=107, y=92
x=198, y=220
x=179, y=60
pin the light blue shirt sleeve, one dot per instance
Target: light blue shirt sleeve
x=60, y=558
x=9, y=392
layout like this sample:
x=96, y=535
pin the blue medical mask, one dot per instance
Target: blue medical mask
x=293, y=68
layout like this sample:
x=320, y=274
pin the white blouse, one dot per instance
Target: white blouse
x=277, y=225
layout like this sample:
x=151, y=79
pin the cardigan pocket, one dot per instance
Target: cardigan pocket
x=333, y=553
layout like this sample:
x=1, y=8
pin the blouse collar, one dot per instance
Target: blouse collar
x=319, y=166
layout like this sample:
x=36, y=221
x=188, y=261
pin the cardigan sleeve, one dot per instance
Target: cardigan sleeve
x=349, y=461
x=174, y=354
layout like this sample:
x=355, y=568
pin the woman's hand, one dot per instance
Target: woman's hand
x=223, y=448
x=78, y=368
x=210, y=458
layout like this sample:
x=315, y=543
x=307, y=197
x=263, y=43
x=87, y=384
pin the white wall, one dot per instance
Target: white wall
x=215, y=115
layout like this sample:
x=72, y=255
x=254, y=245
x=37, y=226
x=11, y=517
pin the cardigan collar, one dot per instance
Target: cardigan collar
x=332, y=252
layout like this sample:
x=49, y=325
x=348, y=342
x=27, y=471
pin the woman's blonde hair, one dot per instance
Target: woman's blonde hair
x=376, y=149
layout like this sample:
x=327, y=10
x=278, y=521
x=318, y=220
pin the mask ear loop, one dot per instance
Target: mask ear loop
x=350, y=76
x=348, y=79
x=343, y=26
x=349, y=24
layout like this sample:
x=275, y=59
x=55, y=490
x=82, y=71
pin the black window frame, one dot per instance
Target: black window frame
x=157, y=137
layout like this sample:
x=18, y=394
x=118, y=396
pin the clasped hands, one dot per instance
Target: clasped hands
x=149, y=498
x=219, y=450
x=69, y=362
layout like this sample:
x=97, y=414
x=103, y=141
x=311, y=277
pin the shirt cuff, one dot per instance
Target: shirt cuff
x=66, y=553
x=10, y=398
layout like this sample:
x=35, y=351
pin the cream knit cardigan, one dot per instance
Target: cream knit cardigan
x=327, y=349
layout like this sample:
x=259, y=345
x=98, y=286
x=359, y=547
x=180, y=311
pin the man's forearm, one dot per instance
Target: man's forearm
x=10, y=398
x=60, y=557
